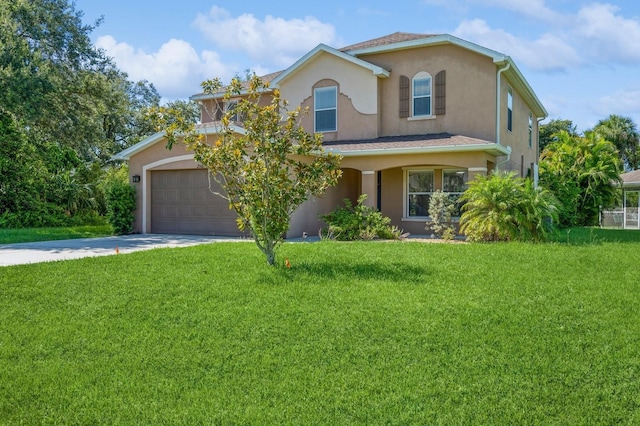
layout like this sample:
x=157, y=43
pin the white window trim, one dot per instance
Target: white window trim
x=325, y=109
x=413, y=116
x=421, y=117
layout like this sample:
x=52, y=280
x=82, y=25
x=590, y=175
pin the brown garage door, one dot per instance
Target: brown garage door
x=181, y=203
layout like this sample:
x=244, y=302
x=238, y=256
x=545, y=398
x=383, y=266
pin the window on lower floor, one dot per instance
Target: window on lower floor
x=455, y=183
x=419, y=190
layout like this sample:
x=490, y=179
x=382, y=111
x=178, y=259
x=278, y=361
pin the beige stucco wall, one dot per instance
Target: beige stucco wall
x=357, y=95
x=518, y=138
x=307, y=217
x=470, y=91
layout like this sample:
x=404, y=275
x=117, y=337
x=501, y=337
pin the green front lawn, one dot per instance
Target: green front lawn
x=365, y=333
x=27, y=235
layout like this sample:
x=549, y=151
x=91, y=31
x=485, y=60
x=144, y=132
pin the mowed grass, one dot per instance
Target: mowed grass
x=26, y=235
x=353, y=333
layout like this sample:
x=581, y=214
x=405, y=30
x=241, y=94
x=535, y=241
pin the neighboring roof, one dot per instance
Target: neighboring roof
x=631, y=179
x=323, y=48
x=388, y=39
x=413, y=144
x=203, y=129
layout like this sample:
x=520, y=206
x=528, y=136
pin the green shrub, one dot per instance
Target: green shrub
x=121, y=203
x=503, y=207
x=359, y=222
x=441, y=209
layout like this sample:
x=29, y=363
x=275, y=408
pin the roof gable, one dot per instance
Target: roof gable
x=159, y=136
x=323, y=48
x=404, y=41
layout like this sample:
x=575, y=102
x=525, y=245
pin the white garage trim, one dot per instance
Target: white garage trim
x=145, y=170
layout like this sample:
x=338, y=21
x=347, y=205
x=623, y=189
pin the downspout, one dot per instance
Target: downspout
x=498, y=105
x=506, y=160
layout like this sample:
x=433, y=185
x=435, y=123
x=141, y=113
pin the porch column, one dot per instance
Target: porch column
x=369, y=187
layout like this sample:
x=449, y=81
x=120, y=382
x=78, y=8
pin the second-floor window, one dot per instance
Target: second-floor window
x=530, y=130
x=509, y=109
x=422, y=94
x=326, y=109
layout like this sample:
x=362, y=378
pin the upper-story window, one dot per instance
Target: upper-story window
x=326, y=108
x=530, y=130
x=421, y=94
x=510, y=109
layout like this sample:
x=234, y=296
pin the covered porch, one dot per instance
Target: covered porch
x=399, y=175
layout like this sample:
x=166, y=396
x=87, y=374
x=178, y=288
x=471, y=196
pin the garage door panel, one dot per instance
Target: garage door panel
x=181, y=202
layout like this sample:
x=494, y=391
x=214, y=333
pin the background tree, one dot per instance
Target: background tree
x=504, y=207
x=623, y=133
x=548, y=132
x=267, y=170
x=582, y=172
x=65, y=107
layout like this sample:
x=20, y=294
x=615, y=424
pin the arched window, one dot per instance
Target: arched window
x=421, y=94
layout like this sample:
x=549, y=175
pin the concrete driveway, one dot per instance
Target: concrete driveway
x=17, y=254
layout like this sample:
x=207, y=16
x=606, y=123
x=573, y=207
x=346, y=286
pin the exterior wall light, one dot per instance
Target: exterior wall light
x=135, y=178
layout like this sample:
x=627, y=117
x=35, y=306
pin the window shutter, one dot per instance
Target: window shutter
x=441, y=84
x=405, y=96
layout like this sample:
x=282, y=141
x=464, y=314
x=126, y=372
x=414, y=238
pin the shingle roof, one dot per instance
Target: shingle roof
x=397, y=37
x=631, y=177
x=434, y=140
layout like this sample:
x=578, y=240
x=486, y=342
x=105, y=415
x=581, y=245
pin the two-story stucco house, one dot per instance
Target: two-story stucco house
x=409, y=113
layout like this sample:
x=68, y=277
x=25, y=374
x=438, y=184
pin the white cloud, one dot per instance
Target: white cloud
x=624, y=102
x=532, y=8
x=176, y=69
x=548, y=52
x=606, y=36
x=272, y=40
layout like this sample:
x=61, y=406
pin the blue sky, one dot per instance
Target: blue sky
x=582, y=58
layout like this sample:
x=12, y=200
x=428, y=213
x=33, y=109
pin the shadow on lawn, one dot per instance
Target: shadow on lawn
x=316, y=273
x=593, y=236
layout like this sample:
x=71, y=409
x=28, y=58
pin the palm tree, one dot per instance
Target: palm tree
x=582, y=172
x=503, y=207
x=623, y=133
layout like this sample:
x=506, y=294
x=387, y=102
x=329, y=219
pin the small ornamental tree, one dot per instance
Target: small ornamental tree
x=441, y=210
x=268, y=169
